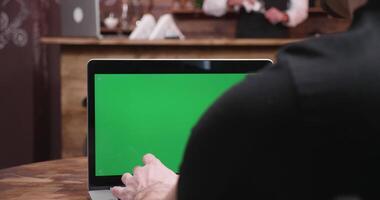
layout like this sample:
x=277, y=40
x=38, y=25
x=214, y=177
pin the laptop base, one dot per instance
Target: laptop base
x=101, y=195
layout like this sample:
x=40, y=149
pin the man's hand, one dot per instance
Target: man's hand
x=152, y=181
x=275, y=16
x=239, y=2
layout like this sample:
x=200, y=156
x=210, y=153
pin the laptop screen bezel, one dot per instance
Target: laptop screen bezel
x=213, y=66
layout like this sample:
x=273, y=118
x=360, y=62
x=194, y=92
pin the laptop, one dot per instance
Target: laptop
x=80, y=18
x=137, y=107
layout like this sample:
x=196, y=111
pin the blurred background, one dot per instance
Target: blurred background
x=43, y=57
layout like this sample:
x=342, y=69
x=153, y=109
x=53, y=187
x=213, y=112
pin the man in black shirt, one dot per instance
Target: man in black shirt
x=304, y=128
x=256, y=25
x=261, y=18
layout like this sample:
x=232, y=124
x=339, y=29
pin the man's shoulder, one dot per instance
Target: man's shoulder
x=319, y=61
x=331, y=67
x=332, y=56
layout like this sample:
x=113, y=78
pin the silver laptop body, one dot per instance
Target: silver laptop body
x=103, y=192
x=80, y=18
x=101, y=195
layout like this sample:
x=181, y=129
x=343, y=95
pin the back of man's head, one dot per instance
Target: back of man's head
x=342, y=8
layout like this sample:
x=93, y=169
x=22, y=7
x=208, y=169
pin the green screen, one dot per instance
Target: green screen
x=137, y=114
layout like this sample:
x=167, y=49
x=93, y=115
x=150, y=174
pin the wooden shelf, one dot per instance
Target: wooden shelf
x=198, y=11
x=187, y=11
x=107, y=31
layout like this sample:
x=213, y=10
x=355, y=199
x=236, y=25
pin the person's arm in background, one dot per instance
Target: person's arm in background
x=219, y=8
x=215, y=8
x=296, y=14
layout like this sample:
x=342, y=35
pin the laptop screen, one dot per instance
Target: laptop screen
x=137, y=114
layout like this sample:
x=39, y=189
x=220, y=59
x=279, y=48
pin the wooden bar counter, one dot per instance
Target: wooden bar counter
x=119, y=41
x=76, y=52
x=53, y=180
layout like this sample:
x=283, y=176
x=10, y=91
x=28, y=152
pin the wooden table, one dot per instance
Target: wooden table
x=55, y=180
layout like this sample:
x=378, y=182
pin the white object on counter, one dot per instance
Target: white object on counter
x=144, y=28
x=111, y=21
x=166, y=28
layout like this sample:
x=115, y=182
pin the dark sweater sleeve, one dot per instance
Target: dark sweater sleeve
x=238, y=146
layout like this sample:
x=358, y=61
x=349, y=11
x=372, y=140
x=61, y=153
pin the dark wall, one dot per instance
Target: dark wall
x=29, y=82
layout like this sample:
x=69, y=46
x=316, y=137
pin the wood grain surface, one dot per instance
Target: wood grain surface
x=52, y=180
x=121, y=41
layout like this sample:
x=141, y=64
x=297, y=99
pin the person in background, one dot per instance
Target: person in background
x=306, y=127
x=261, y=18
